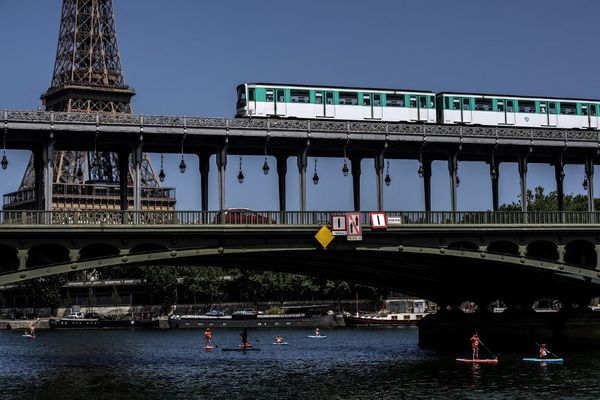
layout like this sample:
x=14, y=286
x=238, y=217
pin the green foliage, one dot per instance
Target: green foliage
x=49, y=289
x=538, y=201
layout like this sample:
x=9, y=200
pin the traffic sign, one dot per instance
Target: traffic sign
x=324, y=236
x=354, y=228
x=378, y=220
x=394, y=220
x=338, y=225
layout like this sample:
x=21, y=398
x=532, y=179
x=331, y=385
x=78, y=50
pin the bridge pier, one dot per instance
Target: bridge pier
x=426, y=171
x=302, y=163
x=123, y=159
x=452, y=169
x=38, y=168
x=379, y=166
x=48, y=161
x=559, y=175
x=204, y=167
x=137, y=156
x=523, y=183
x=495, y=175
x=281, y=160
x=221, y=167
x=589, y=175
x=355, y=164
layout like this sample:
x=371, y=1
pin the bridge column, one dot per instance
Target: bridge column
x=589, y=175
x=523, y=181
x=452, y=169
x=74, y=255
x=38, y=168
x=22, y=255
x=137, y=179
x=561, y=253
x=221, y=167
x=48, y=160
x=597, y=248
x=302, y=163
x=123, y=158
x=204, y=167
x=355, y=165
x=426, y=167
x=522, y=250
x=379, y=165
x=281, y=172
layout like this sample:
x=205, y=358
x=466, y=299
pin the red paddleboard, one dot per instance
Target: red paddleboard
x=477, y=361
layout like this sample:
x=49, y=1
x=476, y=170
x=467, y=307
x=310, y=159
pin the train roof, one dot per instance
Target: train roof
x=513, y=96
x=350, y=88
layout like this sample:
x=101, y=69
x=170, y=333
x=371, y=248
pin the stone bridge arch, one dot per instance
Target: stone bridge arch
x=9, y=260
x=48, y=253
x=543, y=250
x=581, y=252
x=503, y=247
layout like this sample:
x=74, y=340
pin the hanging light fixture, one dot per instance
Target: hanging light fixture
x=561, y=174
x=345, y=169
x=265, y=166
x=240, y=176
x=182, y=165
x=4, y=162
x=388, y=179
x=493, y=173
x=161, y=174
x=316, y=176
x=585, y=183
x=420, y=171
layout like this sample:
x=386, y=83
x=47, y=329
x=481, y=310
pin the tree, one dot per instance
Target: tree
x=162, y=280
x=49, y=290
x=538, y=201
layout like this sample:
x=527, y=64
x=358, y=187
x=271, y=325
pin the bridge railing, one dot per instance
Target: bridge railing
x=246, y=217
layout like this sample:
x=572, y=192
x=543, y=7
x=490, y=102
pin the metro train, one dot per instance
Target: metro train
x=395, y=105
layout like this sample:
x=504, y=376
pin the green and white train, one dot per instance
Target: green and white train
x=394, y=105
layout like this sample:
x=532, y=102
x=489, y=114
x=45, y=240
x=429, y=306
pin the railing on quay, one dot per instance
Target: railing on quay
x=246, y=217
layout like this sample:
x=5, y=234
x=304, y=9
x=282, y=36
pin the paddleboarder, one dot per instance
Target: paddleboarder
x=543, y=353
x=244, y=336
x=31, y=329
x=317, y=332
x=208, y=336
x=278, y=339
x=475, y=346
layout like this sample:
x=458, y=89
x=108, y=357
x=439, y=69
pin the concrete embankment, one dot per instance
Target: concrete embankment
x=7, y=324
x=511, y=331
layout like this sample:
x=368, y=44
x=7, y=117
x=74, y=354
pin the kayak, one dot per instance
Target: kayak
x=239, y=349
x=477, y=361
x=317, y=337
x=544, y=360
x=281, y=343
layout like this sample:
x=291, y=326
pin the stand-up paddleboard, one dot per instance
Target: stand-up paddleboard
x=477, y=361
x=208, y=347
x=281, y=343
x=544, y=360
x=317, y=337
x=239, y=349
x=27, y=335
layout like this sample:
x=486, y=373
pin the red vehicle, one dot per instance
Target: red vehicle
x=241, y=216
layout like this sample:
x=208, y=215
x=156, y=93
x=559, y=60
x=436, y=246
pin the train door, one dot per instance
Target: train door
x=456, y=107
x=367, y=106
x=423, y=109
x=319, y=104
x=377, y=106
x=509, y=113
x=329, y=105
x=269, y=104
x=413, y=110
x=280, y=106
x=549, y=108
x=466, y=110
x=590, y=111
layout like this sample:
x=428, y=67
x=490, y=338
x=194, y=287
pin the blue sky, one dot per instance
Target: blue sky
x=185, y=57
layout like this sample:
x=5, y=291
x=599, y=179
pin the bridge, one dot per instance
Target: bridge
x=448, y=257
x=130, y=135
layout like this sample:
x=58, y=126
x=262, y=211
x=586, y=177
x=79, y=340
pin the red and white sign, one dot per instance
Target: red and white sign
x=378, y=220
x=353, y=223
x=338, y=225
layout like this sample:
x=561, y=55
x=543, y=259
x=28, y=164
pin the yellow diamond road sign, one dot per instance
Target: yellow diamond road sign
x=324, y=236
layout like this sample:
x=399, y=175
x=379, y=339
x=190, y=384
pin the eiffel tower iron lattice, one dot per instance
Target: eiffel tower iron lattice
x=88, y=78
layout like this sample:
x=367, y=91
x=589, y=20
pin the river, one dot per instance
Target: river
x=349, y=364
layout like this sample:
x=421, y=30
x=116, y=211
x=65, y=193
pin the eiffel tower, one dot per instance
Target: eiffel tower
x=88, y=78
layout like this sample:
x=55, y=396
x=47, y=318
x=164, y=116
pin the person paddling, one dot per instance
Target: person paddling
x=208, y=336
x=475, y=346
x=244, y=336
x=543, y=352
x=278, y=339
x=317, y=332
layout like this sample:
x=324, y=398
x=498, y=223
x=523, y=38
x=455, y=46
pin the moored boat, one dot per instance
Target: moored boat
x=97, y=322
x=397, y=312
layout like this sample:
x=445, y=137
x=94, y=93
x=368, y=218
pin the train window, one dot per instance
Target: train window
x=466, y=102
x=251, y=96
x=432, y=102
x=350, y=98
x=446, y=103
x=329, y=98
x=526, y=106
x=543, y=107
x=510, y=106
x=241, y=97
x=483, y=105
x=366, y=99
x=568, y=108
x=299, y=96
x=269, y=93
x=500, y=105
x=584, y=109
x=319, y=98
x=377, y=100
x=552, y=107
x=456, y=104
x=394, y=100
x=593, y=110
x=281, y=95
x=422, y=102
x=412, y=102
